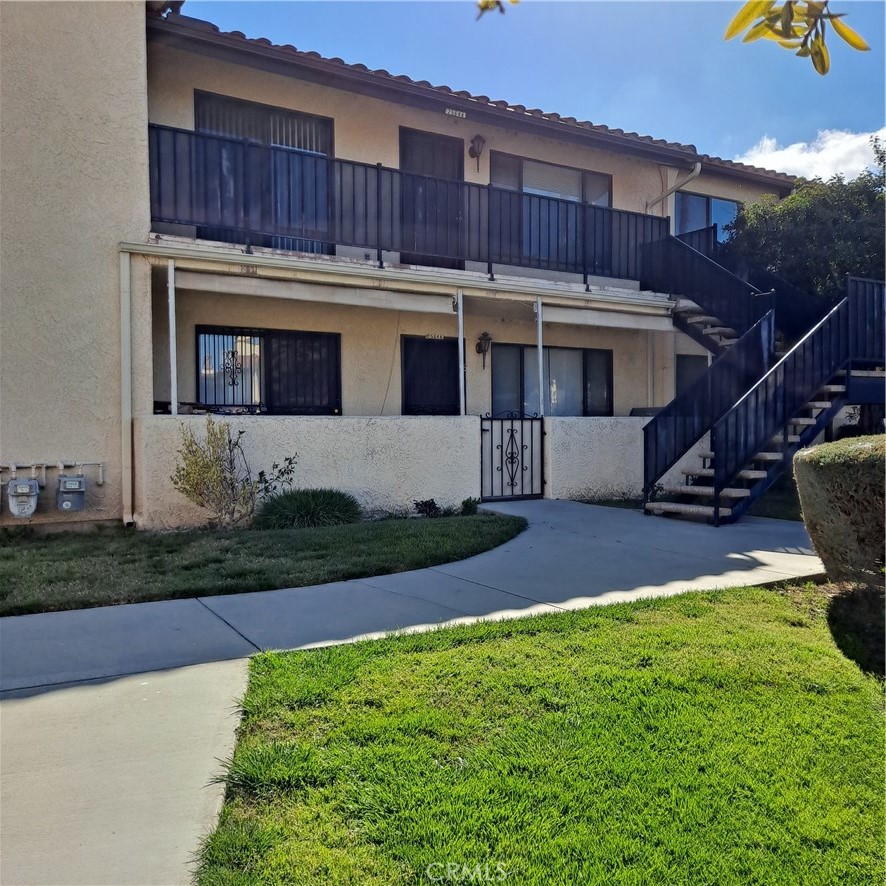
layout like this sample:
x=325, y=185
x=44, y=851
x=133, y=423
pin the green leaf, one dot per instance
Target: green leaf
x=852, y=37
x=745, y=16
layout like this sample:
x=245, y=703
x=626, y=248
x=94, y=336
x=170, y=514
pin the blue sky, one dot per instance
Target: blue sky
x=658, y=68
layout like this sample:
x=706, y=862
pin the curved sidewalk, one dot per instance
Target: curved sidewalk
x=115, y=719
x=571, y=556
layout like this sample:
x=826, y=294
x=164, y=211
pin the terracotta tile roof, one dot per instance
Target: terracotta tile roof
x=687, y=153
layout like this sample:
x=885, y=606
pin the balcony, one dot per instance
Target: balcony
x=238, y=191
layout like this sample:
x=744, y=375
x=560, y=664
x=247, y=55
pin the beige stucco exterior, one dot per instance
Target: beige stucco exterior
x=73, y=185
x=385, y=462
x=84, y=332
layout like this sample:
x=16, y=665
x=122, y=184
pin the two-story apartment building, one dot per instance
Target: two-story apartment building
x=421, y=292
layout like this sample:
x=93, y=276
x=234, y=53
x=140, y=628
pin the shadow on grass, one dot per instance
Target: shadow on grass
x=856, y=619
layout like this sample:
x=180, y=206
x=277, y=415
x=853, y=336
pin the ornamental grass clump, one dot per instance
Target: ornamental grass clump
x=306, y=508
x=842, y=497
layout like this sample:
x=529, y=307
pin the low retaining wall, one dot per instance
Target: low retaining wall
x=593, y=458
x=384, y=462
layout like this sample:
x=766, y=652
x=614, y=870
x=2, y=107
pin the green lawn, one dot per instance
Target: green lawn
x=75, y=570
x=712, y=738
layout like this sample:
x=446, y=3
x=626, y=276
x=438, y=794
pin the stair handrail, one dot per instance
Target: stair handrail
x=695, y=283
x=669, y=435
x=768, y=405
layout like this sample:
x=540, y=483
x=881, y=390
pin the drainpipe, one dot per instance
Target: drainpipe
x=126, y=384
x=696, y=171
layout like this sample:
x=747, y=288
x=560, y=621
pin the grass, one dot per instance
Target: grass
x=74, y=570
x=710, y=738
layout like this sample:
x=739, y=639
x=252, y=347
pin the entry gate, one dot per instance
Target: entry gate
x=511, y=457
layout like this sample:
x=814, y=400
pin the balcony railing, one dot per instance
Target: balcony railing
x=275, y=196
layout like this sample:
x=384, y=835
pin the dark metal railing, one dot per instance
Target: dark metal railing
x=704, y=240
x=852, y=331
x=674, y=267
x=261, y=193
x=685, y=420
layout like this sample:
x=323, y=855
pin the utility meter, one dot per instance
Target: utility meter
x=22, y=497
x=71, y=493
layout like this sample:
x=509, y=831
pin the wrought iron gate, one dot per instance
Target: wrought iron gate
x=511, y=457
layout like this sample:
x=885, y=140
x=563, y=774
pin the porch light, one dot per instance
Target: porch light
x=476, y=149
x=483, y=343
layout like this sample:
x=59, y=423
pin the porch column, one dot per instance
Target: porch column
x=460, y=308
x=541, y=362
x=173, y=367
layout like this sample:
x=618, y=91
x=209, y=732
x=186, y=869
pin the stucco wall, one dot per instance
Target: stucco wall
x=367, y=129
x=386, y=463
x=370, y=346
x=73, y=183
x=587, y=458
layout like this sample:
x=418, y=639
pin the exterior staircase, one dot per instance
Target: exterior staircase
x=760, y=401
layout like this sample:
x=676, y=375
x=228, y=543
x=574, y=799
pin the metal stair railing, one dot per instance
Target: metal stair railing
x=685, y=420
x=853, y=330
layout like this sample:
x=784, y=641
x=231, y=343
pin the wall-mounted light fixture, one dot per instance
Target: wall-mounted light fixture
x=476, y=149
x=483, y=343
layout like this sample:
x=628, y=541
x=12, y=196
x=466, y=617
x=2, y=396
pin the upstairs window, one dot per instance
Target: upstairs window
x=550, y=180
x=696, y=211
x=269, y=370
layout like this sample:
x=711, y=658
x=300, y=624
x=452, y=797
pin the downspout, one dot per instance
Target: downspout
x=126, y=384
x=696, y=171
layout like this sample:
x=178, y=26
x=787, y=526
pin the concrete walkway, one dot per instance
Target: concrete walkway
x=105, y=775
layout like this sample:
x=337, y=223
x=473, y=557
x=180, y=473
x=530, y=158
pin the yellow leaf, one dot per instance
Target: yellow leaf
x=852, y=37
x=761, y=29
x=821, y=59
x=745, y=16
x=803, y=52
x=787, y=19
x=790, y=44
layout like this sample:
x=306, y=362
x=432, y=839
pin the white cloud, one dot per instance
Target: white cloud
x=833, y=151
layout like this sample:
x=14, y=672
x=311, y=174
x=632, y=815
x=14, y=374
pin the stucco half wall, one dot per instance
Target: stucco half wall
x=595, y=458
x=386, y=462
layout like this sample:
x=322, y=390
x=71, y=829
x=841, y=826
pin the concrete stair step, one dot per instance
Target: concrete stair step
x=819, y=404
x=832, y=389
x=727, y=342
x=684, y=489
x=768, y=456
x=864, y=373
x=685, y=306
x=719, y=330
x=779, y=439
x=703, y=320
x=746, y=474
x=804, y=422
x=672, y=507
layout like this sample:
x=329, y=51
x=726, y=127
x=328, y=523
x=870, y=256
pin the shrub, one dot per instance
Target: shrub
x=469, y=507
x=428, y=508
x=304, y=508
x=842, y=497
x=214, y=474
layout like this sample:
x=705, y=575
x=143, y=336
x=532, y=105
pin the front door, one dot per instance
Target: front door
x=433, y=167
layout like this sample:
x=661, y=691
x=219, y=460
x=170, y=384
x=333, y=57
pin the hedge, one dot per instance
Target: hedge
x=841, y=488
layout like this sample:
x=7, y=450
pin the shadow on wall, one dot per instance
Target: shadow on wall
x=857, y=622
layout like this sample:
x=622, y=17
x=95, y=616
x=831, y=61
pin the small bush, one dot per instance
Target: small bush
x=469, y=507
x=428, y=508
x=305, y=508
x=842, y=498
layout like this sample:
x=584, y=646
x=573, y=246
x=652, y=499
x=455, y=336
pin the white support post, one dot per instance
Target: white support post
x=173, y=367
x=459, y=302
x=541, y=362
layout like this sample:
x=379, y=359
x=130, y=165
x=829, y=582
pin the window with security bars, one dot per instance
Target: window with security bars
x=294, y=183
x=271, y=371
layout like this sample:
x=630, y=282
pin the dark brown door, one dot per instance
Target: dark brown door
x=432, y=194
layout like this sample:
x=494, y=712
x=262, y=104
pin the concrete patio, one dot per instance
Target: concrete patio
x=114, y=719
